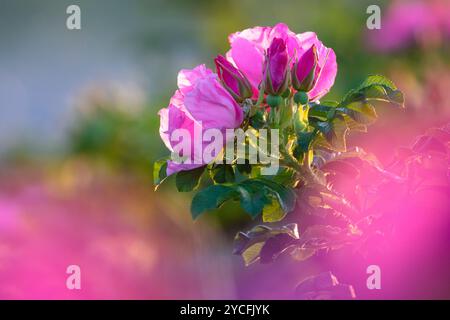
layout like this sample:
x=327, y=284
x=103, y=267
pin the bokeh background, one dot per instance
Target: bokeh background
x=79, y=133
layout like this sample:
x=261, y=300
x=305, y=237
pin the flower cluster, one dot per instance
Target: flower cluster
x=262, y=64
x=264, y=96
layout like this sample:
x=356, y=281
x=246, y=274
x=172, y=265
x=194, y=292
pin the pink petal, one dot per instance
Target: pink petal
x=211, y=104
x=305, y=64
x=249, y=58
x=188, y=77
x=326, y=61
x=172, y=118
x=326, y=76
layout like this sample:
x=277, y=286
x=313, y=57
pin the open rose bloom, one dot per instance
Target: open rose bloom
x=200, y=103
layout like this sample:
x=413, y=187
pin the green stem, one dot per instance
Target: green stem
x=260, y=96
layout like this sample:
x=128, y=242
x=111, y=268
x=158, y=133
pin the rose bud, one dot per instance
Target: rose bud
x=233, y=80
x=276, y=68
x=304, y=71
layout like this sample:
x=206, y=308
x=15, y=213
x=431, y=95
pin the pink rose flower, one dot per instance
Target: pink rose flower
x=248, y=48
x=200, y=103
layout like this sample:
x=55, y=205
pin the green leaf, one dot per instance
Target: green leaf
x=320, y=111
x=273, y=212
x=334, y=132
x=189, y=180
x=275, y=246
x=377, y=79
x=304, y=140
x=375, y=88
x=357, y=104
x=251, y=254
x=243, y=240
x=337, y=136
x=361, y=112
x=330, y=103
x=211, y=198
x=353, y=125
x=159, y=172
x=254, y=194
x=258, y=121
x=250, y=244
x=222, y=173
x=284, y=176
x=253, y=199
x=286, y=195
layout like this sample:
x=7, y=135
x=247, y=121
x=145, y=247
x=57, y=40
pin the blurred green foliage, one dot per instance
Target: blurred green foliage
x=125, y=141
x=341, y=25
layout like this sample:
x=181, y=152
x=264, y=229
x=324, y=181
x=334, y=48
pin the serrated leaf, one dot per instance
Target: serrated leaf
x=375, y=88
x=253, y=200
x=353, y=125
x=302, y=144
x=257, y=121
x=304, y=140
x=187, y=181
x=256, y=193
x=334, y=132
x=319, y=111
x=211, y=198
x=222, y=173
x=286, y=195
x=377, y=80
x=284, y=176
x=337, y=137
x=275, y=246
x=251, y=254
x=360, y=111
x=273, y=211
x=249, y=244
x=330, y=103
